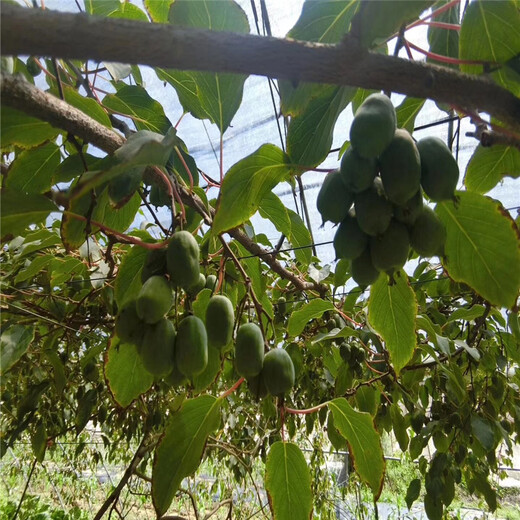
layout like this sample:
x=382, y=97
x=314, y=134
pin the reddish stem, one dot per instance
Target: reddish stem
x=408, y=50
x=307, y=411
x=127, y=238
x=232, y=389
x=180, y=119
x=444, y=25
x=437, y=12
x=348, y=318
x=179, y=154
x=446, y=59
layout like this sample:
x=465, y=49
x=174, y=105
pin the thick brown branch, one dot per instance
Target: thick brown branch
x=20, y=94
x=79, y=36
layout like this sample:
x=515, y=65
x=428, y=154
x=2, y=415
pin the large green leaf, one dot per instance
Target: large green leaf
x=126, y=376
x=19, y=129
x=488, y=165
x=87, y=105
x=135, y=102
x=490, y=32
x=300, y=238
x=288, y=482
x=14, y=342
x=272, y=208
x=442, y=41
x=246, y=183
x=407, y=111
x=128, y=282
x=376, y=22
x=363, y=440
x=391, y=312
x=18, y=210
x=323, y=22
x=482, y=247
x=216, y=97
x=158, y=9
x=309, y=136
x=119, y=219
x=101, y=7
x=180, y=450
x=314, y=309
x=33, y=170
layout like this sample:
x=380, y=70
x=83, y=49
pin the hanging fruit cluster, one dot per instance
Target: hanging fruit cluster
x=376, y=196
x=180, y=355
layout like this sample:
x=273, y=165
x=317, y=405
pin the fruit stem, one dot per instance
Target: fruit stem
x=178, y=152
x=443, y=25
x=232, y=389
x=307, y=411
x=446, y=59
x=437, y=12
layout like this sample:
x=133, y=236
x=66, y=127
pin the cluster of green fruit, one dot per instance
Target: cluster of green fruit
x=353, y=355
x=176, y=355
x=376, y=196
x=271, y=373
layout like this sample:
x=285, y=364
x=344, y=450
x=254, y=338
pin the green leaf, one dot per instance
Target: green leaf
x=180, y=450
x=482, y=247
x=14, y=342
x=136, y=103
x=323, y=22
x=413, y=492
x=309, y=136
x=19, y=129
x=210, y=373
x=39, y=442
x=126, y=376
x=488, y=165
x=87, y=105
x=445, y=42
x=483, y=431
x=33, y=170
x=128, y=282
x=119, y=219
x=391, y=312
x=73, y=230
x=490, y=32
x=213, y=96
x=272, y=208
x=300, y=238
x=399, y=427
x=101, y=7
x=363, y=440
x=467, y=314
x=130, y=12
x=288, y=482
x=246, y=184
x=376, y=22
x=300, y=318
x=158, y=9
x=18, y=210
x=407, y=111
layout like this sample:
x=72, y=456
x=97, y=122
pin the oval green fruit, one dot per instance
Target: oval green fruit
x=249, y=350
x=373, y=210
x=220, y=318
x=334, y=199
x=363, y=271
x=256, y=385
x=154, y=299
x=278, y=372
x=389, y=251
x=211, y=282
x=157, y=348
x=349, y=241
x=428, y=234
x=191, y=346
x=129, y=327
x=195, y=289
x=159, y=196
x=373, y=126
x=175, y=378
x=183, y=259
x=400, y=168
x=358, y=172
x=154, y=264
x=410, y=210
x=439, y=169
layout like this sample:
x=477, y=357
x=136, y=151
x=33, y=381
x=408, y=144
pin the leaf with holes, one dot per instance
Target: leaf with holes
x=363, y=440
x=246, y=183
x=180, y=450
x=482, y=247
x=288, y=482
x=489, y=165
x=391, y=312
x=300, y=318
x=126, y=376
